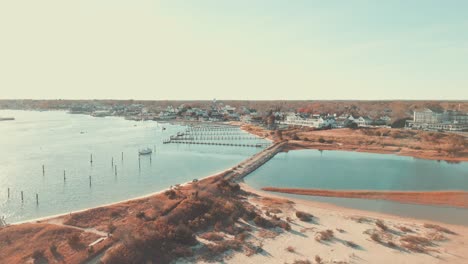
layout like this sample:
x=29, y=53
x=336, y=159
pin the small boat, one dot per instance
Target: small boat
x=7, y=118
x=145, y=151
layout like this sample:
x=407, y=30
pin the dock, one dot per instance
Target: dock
x=215, y=135
x=257, y=145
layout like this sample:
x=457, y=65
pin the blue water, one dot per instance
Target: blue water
x=62, y=141
x=347, y=170
x=341, y=170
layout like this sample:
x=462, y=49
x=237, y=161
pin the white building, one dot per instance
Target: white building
x=433, y=119
x=293, y=119
x=363, y=121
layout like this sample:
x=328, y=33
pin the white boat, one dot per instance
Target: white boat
x=145, y=151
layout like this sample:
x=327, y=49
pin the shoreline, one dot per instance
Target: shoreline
x=347, y=210
x=457, y=199
x=145, y=196
x=405, y=153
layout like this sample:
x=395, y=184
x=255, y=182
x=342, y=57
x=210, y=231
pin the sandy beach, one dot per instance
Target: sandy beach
x=348, y=225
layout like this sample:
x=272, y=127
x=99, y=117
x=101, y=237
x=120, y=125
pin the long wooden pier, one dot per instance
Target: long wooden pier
x=215, y=135
x=257, y=145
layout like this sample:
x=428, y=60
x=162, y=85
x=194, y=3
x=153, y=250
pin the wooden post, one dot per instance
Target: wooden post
x=91, y=158
x=8, y=192
x=89, y=180
x=37, y=198
x=22, y=198
x=64, y=176
x=112, y=162
x=122, y=156
x=43, y=170
x=115, y=170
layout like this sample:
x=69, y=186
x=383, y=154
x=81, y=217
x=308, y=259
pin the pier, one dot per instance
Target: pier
x=257, y=145
x=215, y=135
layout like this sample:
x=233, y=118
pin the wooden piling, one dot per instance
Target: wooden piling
x=8, y=192
x=43, y=170
x=37, y=198
x=91, y=158
x=22, y=197
x=89, y=180
x=112, y=162
x=122, y=156
x=115, y=170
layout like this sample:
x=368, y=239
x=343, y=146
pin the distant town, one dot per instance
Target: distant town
x=431, y=116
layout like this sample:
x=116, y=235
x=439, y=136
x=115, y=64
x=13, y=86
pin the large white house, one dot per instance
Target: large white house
x=434, y=119
x=294, y=119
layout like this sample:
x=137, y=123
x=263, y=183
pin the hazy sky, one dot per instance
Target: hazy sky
x=239, y=49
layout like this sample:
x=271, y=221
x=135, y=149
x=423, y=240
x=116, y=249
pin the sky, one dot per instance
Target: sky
x=243, y=49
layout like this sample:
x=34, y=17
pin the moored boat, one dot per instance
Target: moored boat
x=145, y=151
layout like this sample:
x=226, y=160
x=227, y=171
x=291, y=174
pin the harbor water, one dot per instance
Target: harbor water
x=64, y=143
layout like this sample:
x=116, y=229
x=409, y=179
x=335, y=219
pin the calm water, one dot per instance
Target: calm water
x=340, y=170
x=55, y=140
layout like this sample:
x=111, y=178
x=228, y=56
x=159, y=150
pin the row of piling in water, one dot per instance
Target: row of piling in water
x=113, y=165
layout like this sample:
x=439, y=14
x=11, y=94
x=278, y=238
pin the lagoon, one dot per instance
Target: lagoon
x=344, y=170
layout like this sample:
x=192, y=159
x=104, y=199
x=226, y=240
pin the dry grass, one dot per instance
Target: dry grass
x=290, y=249
x=303, y=216
x=376, y=237
x=212, y=236
x=380, y=224
x=436, y=236
x=18, y=243
x=439, y=228
x=326, y=235
x=405, y=229
x=391, y=244
x=318, y=259
x=302, y=261
x=267, y=233
x=306, y=229
x=415, y=243
x=361, y=219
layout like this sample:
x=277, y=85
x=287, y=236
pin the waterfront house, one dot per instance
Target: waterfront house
x=363, y=121
x=436, y=119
